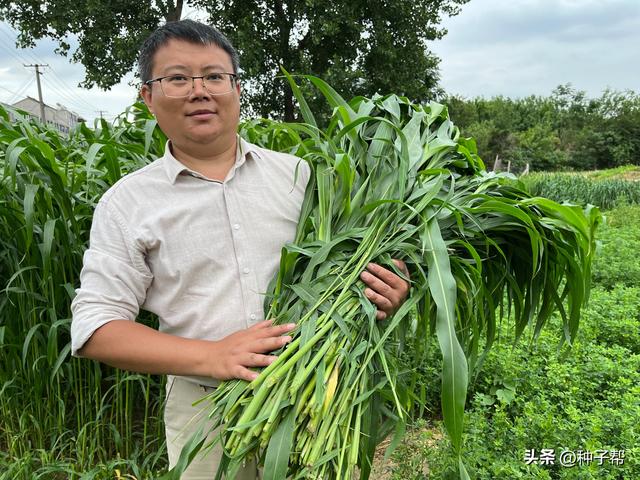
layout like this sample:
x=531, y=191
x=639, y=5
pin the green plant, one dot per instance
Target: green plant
x=583, y=190
x=55, y=411
x=392, y=179
x=619, y=243
x=584, y=401
x=618, y=172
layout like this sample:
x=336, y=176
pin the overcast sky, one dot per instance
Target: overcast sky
x=517, y=48
x=494, y=47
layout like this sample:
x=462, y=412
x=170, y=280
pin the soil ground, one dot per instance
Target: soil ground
x=415, y=441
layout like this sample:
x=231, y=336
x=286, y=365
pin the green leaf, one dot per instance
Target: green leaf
x=277, y=457
x=29, y=197
x=307, y=115
x=442, y=286
x=90, y=156
x=149, y=127
x=398, y=435
x=187, y=454
x=64, y=353
x=505, y=395
x=27, y=342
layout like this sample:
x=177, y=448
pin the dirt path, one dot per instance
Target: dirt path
x=415, y=441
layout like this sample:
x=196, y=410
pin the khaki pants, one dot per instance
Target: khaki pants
x=181, y=419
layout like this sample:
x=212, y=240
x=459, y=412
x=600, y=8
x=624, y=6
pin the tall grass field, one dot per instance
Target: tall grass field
x=61, y=417
x=603, y=189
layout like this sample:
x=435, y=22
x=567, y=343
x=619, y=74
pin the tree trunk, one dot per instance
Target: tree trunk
x=497, y=164
x=285, y=23
x=288, y=105
x=174, y=12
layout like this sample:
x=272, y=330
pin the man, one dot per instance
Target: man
x=195, y=237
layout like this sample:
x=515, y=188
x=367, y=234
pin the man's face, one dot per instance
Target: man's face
x=200, y=119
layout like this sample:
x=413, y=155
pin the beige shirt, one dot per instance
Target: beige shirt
x=197, y=252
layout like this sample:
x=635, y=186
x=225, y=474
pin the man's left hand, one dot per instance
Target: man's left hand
x=386, y=290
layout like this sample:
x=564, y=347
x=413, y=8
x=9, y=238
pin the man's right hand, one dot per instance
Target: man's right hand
x=235, y=354
x=133, y=346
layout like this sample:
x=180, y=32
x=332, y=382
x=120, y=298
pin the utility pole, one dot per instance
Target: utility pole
x=38, y=73
x=100, y=112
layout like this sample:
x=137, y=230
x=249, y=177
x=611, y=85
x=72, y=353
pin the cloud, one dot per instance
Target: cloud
x=499, y=21
x=529, y=47
x=59, y=79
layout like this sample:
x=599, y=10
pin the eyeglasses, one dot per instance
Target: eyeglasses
x=176, y=86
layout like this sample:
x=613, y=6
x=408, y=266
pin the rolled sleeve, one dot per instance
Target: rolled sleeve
x=114, y=277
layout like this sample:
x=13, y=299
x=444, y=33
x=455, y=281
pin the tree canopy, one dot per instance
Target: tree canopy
x=358, y=46
x=108, y=33
x=563, y=131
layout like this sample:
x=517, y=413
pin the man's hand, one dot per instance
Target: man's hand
x=238, y=352
x=133, y=346
x=386, y=290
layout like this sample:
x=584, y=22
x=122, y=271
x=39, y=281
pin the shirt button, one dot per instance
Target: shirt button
x=236, y=226
x=245, y=270
x=253, y=316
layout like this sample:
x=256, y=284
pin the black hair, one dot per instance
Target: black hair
x=187, y=30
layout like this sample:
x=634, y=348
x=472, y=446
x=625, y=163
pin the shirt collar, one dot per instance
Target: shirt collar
x=174, y=168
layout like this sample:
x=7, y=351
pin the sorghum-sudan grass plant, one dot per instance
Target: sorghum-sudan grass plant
x=54, y=409
x=391, y=179
x=605, y=193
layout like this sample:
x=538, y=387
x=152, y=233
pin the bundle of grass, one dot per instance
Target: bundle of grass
x=391, y=179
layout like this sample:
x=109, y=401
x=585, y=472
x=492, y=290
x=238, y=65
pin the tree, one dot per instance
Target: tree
x=566, y=130
x=109, y=33
x=358, y=46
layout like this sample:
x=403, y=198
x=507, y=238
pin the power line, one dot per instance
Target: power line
x=16, y=95
x=13, y=41
x=61, y=83
x=19, y=92
x=66, y=97
x=22, y=61
x=7, y=90
x=12, y=54
x=63, y=90
x=74, y=97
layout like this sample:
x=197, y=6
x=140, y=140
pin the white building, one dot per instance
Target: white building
x=60, y=118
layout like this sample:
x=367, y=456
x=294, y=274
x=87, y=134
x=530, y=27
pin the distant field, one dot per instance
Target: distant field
x=626, y=172
x=603, y=188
